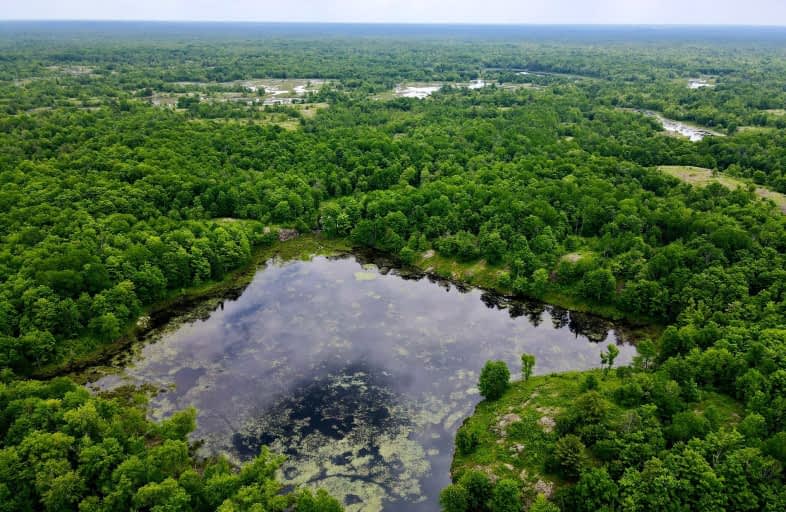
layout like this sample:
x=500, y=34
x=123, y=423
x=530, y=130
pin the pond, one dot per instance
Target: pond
x=694, y=133
x=699, y=83
x=359, y=373
x=423, y=90
x=416, y=91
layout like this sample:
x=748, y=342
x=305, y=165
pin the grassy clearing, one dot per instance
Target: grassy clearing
x=309, y=110
x=517, y=86
x=776, y=197
x=484, y=275
x=608, y=311
x=517, y=435
x=478, y=273
x=384, y=96
x=304, y=248
x=701, y=177
x=756, y=129
x=499, y=451
x=281, y=119
x=575, y=257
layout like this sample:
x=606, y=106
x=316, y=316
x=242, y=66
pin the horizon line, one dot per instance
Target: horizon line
x=410, y=23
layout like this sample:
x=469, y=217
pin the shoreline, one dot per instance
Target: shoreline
x=158, y=314
x=308, y=246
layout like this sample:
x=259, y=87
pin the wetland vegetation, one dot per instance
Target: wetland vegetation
x=545, y=184
x=368, y=371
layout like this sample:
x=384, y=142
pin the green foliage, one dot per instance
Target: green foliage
x=321, y=501
x=492, y=246
x=527, y=364
x=540, y=281
x=590, y=407
x=646, y=354
x=463, y=246
x=454, y=498
x=597, y=443
x=683, y=480
x=547, y=186
x=494, y=379
x=542, y=504
x=479, y=489
x=687, y=425
x=466, y=440
x=62, y=448
x=505, y=497
x=407, y=255
x=598, y=285
x=607, y=358
x=595, y=492
x=753, y=427
x=569, y=456
x=590, y=383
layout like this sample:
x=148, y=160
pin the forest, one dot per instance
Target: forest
x=113, y=201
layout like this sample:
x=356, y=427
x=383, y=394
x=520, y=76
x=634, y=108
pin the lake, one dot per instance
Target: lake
x=359, y=373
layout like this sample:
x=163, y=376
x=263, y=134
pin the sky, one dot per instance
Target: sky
x=705, y=12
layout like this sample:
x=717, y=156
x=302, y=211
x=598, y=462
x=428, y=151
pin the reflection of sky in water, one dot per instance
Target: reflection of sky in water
x=361, y=378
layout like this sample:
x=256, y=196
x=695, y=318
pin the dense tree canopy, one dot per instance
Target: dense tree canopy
x=548, y=178
x=64, y=449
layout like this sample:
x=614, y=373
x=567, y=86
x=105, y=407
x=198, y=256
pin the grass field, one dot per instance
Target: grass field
x=701, y=177
x=307, y=111
x=756, y=129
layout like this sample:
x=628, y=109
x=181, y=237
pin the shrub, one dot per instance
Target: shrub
x=505, y=497
x=754, y=426
x=479, y=489
x=595, y=491
x=494, y=379
x=454, y=498
x=407, y=255
x=569, y=456
x=598, y=285
x=588, y=409
x=590, y=383
x=462, y=245
x=687, y=425
x=320, y=501
x=466, y=440
x=541, y=504
x=629, y=394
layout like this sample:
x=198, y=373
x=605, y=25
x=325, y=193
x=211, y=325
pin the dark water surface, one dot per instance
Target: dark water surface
x=360, y=375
